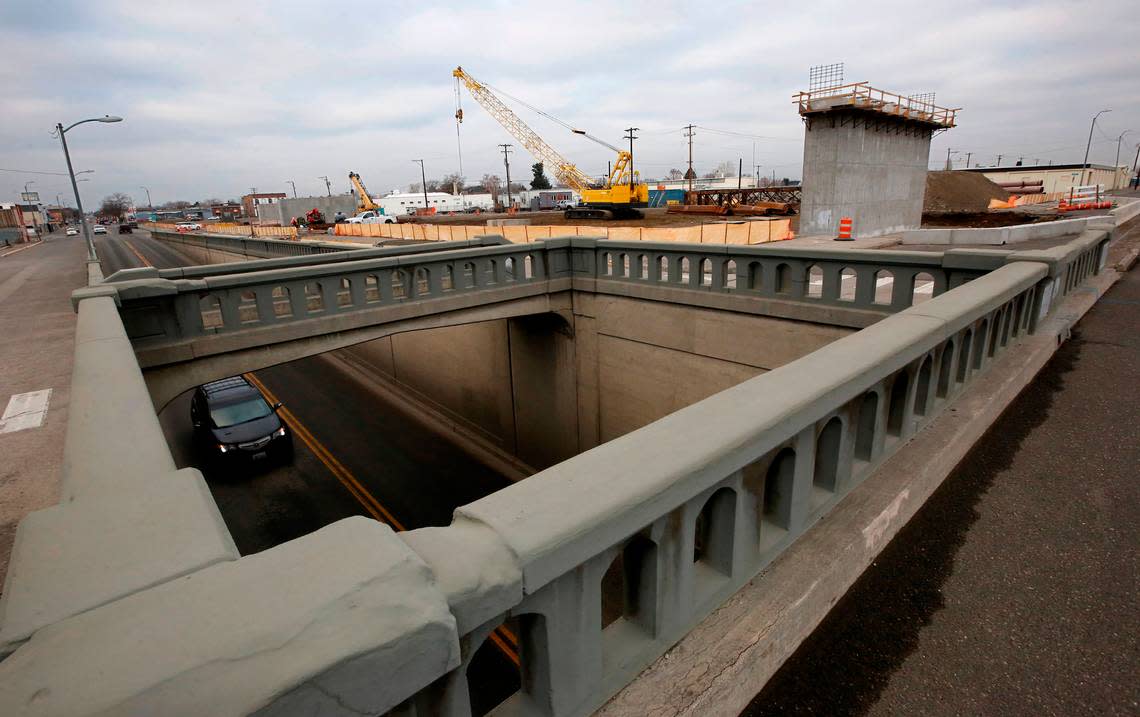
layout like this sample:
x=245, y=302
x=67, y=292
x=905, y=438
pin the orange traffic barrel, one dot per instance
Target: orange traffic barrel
x=844, y=230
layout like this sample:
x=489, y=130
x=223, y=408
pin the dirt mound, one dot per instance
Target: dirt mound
x=960, y=192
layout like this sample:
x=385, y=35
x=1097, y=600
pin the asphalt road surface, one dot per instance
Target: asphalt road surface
x=355, y=454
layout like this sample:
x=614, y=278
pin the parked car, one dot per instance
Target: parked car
x=125, y=229
x=99, y=229
x=234, y=424
x=371, y=217
x=72, y=232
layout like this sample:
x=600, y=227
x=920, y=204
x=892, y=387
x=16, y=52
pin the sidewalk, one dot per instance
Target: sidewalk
x=37, y=326
x=1014, y=591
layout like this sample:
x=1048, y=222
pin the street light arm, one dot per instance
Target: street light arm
x=104, y=118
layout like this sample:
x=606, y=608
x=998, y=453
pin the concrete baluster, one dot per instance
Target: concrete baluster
x=561, y=641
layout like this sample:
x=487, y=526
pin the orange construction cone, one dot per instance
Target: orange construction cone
x=844, y=230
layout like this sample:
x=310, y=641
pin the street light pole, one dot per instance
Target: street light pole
x=30, y=181
x=294, y=184
x=71, y=173
x=328, y=186
x=423, y=179
x=1085, y=163
x=1116, y=164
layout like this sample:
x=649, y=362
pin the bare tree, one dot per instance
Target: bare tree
x=493, y=184
x=115, y=205
x=675, y=174
x=726, y=169
x=452, y=183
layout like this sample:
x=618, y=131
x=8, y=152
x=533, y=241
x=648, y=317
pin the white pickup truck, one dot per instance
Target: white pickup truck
x=371, y=217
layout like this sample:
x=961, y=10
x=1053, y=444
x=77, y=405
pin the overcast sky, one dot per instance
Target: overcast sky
x=219, y=97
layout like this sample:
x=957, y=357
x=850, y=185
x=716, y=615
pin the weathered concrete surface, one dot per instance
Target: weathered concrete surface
x=653, y=359
x=36, y=353
x=863, y=169
x=345, y=619
x=1014, y=590
x=544, y=388
x=78, y=555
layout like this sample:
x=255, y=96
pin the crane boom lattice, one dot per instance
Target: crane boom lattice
x=538, y=148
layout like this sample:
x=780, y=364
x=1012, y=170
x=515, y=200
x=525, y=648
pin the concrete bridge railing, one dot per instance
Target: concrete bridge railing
x=187, y=314
x=357, y=619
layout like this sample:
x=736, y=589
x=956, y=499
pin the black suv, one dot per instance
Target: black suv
x=234, y=423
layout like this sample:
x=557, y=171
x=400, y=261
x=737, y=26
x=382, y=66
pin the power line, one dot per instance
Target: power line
x=58, y=174
x=748, y=135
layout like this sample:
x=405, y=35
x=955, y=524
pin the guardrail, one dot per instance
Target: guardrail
x=681, y=513
x=862, y=96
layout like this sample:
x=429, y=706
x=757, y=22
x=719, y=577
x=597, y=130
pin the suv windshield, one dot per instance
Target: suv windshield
x=235, y=413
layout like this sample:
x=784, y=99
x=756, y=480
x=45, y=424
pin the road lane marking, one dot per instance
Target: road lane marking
x=25, y=410
x=503, y=638
x=23, y=248
x=137, y=253
x=325, y=456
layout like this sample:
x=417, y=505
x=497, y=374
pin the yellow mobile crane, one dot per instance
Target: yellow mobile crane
x=364, y=202
x=620, y=195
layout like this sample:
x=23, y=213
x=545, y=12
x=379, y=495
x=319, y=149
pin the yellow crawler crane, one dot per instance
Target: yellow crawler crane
x=619, y=196
x=364, y=202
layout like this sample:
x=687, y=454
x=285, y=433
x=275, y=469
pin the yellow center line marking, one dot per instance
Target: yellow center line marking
x=137, y=253
x=511, y=654
x=338, y=470
x=503, y=638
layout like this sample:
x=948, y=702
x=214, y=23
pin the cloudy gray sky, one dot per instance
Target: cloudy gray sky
x=219, y=97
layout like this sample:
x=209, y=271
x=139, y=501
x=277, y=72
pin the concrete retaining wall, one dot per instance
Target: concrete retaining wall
x=996, y=236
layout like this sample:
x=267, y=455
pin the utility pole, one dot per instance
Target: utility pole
x=1088, y=145
x=423, y=179
x=507, y=163
x=756, y=176
x=968, y=155
x=630, y=136
x=689, y=174
x=253, y=205
x=998, y=162
x=294, y=185
x=740, y=173
x=949, y=152
x=328, y=185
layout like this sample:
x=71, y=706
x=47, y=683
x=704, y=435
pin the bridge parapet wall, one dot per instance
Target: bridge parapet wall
x=695, y=504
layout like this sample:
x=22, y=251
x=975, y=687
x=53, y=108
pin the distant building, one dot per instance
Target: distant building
x=62, y=215
x=1058, y=177
x=250, y=202
x=227, y=212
